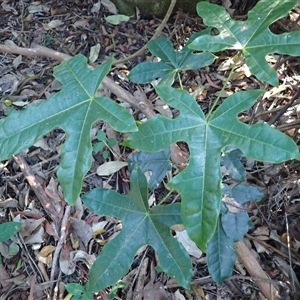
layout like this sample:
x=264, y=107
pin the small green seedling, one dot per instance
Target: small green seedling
x=104, y=144
x=9, y=229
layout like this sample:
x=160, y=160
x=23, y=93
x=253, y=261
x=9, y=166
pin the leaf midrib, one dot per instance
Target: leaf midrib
x=244, y=137
x=44, y=120
x=127, y=240
x=162, y=242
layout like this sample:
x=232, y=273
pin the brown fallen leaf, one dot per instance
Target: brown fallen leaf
x=254, y=269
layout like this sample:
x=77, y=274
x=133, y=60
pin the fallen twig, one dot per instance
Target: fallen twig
x=37, y=188
x=108, y=83
x=61, y=241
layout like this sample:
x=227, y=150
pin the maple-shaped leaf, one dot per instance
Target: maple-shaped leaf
x=200, y=182
x=157, y=163
x=8, y=229
x=221, y=255
x=172, y=62
x=74, y=109
x=141, y=225
x=252, y=36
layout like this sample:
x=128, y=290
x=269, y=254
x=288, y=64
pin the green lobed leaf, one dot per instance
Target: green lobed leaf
x=168, y=79
x=87, y=296
x=84, y=296
x=231, y=160
x=8, y=230
x=171, y=62
x=223, y=208
x=98, y=146
x=75, y=288
x=163, y=48
x=147, y=71
x=235, y=225
x=74, y=109
x=140, y=226
x=252, y=36
x=221, y=255
x=111, y=142
x=200, y=182
x=193, y=37
x=244, y=193
x=101, y=136
x=158, y=163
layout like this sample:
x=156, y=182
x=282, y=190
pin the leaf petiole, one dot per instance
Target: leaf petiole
x=224, y=86
x=165, y=197
x=180, y=81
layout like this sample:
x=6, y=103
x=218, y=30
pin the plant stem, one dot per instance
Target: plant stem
x=165, y=197
x=180, y=82
x=224, y=86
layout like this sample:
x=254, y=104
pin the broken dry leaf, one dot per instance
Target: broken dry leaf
x=53, y=24
x=96, y=7
x=232, y=205
x=154, y=291
x=289, y=272
x=110, y=167
x=68, y=265
x=37, y=8
x=178, y=296
x=98, y=228
x=41, y=143
x=198, y=290
x=163, y=109
x=45, y=251
x=94, y=53
x=30, y=226
x=109, y=5
x=46, y=260
x=188, y=244
x=8, y=84
x=74, y=242
x=8, y=7
x=262, y=233
x=243, y=69
x=58, y=11
x=259, y=247
x=81, y=231
x=226, y=65
x=17, y=61
x=81, y=22
x=9, y=203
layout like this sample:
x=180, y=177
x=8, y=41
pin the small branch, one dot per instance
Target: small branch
x=272, y=249
x=37, y=188
x=35, y=51
x=42, y=51
x=285, y=107
x=108, y=83
x=61, y=241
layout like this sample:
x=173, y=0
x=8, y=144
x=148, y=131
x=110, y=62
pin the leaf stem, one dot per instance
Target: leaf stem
x=180, y=81
x=165, y=197
x=224, y=86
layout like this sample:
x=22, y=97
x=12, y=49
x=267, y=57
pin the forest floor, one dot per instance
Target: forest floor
x=28, y=270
